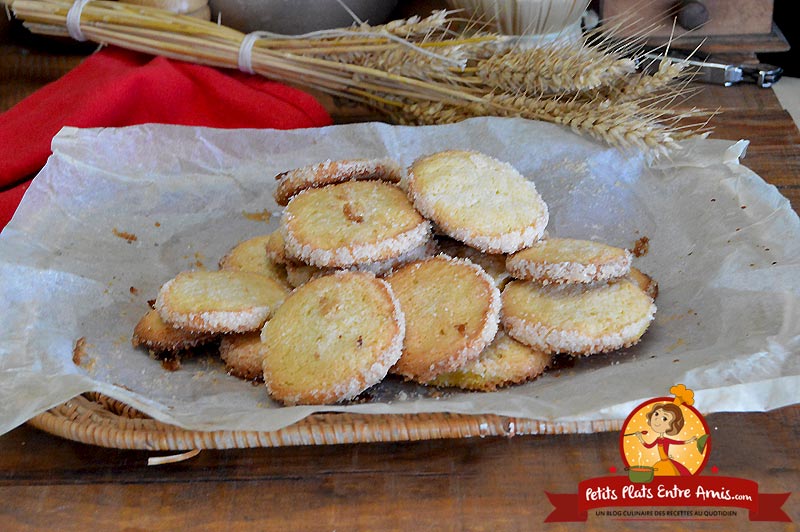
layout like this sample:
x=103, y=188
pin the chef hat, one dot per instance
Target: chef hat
x=682, y=394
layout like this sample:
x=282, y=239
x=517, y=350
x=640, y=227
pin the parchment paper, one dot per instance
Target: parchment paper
x=724, y=247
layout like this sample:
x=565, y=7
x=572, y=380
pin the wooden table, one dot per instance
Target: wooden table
x=470, y=484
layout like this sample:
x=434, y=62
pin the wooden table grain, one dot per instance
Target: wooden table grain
x=463, y=484
x=468, y=484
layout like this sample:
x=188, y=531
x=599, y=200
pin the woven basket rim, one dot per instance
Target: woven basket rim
x=96, y=419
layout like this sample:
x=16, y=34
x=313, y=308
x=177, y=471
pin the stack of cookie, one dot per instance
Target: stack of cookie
x=439, y=275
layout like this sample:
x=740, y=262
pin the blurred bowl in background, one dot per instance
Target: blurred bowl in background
x=526, y=17
x=293, y=17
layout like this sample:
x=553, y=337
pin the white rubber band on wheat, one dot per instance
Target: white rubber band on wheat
x=74, y=20
x=245, y=60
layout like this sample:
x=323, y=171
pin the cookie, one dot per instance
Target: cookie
x=478, y=200
x=155, y=334
x=645, y=282
x=452, y=309
x=568, y=260
x=333, y=338
x=221, y=301
x=492, y=264
x=384, y=267
x=298, y=274
x=575, y=318
x=330, y=172
x=251, y=256
x=503, y=363
x=351, y=223
x=275, y=248
x=243, y=355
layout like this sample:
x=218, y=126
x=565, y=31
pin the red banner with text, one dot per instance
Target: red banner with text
x=619, y=491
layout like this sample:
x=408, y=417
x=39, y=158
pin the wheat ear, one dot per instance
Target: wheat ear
x=552, y=68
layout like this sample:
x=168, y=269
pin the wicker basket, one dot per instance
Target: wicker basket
x=100, y=420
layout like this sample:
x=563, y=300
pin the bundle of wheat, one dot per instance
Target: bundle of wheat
x=430, y=70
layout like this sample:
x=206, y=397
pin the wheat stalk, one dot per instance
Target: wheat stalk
x=553, y=68
x=645, y=84
x=417, y=70
x=652, y=130
x=614, y=122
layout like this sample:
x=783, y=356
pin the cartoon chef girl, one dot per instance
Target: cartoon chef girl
x=666, y=419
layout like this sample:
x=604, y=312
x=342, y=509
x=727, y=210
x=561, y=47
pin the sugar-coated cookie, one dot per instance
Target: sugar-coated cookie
x=645, y=282
x=155, y=334
x=251, y=256
x=221, y=301
x=243, y=355
x=275, y=248
x=492, y=264
x=333, y=338
x=569, y=260
x=575, y=318
x=330, y=172
x=478, y=200
x=351, y=223
x=299, y=273
x=452, y=309
x=384, y=267
x=503, y=363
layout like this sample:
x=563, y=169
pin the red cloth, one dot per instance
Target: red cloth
x=116, y=87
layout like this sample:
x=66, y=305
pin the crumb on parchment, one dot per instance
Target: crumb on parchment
x=129, y=237
x=641, y=247
x=262, y=216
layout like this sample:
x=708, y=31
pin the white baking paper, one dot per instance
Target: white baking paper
x=724, y=247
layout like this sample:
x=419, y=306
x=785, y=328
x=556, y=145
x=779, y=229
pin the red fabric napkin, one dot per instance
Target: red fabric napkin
x=116, y=87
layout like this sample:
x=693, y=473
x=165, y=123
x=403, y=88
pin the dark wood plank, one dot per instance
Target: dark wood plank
x=24, y=71
x=730, y=100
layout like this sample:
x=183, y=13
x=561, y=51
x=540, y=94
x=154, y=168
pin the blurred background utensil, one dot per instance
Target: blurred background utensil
x=294, y=17
x=526, y=17
x=193, y=8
